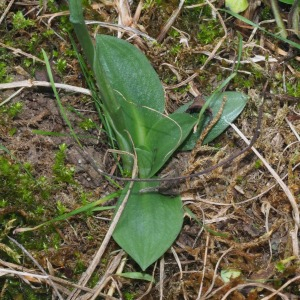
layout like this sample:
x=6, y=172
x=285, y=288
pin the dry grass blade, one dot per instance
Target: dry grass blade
x=221, y=41
x=31, y=83
x=162, y=276
x=287, y=191
x=88, y=273
x=170, y=22
x=39, y=266
x=6, y=10
x=260, y=285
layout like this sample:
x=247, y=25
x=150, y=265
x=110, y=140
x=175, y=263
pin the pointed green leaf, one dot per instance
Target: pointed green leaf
x=76, y=18
x=235, y=104
x=137, y=275
x=129, y=73
x=149, y=224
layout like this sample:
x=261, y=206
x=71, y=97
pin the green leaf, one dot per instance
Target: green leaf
x=137, y=275
x=235, y=103
x=76, y=18
x=129, y=73
x=166, y=136
x=291, y=2
x=234, y=106
x=236, y=6
x=229, y=274
x=145, y=161
x=149, y=224
x=255, y=25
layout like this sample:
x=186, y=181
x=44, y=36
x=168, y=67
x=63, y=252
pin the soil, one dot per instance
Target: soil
x=248, y=217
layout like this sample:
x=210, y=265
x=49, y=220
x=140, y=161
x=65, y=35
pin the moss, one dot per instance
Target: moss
x=209, y=31
x=4, y=77
x=20, y=22
x=21, y=290
x=62, y=173
x=12, y=110
x=293, y=88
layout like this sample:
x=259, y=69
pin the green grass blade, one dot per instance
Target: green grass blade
x=247, y=21
x=77, y=211
x=60, y=106
x=76, y=18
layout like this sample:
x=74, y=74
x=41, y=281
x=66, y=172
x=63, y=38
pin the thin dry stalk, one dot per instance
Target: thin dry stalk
x=204, y=266
x=296, y=217
x=221, y=40
x=55, y=279
x=124, y=18
x=19, y=51
x=198, y=5
x=170, y=22
x=31, y=83
x=260, y=285
x=119, y=270
x=52, y=16
x=184, y=82
x=122, y=28
x=19, y=273
x=105, y=279
x=12, y=96
x=150, y=285
x=177, y=261
x=138, y=11
x=206, y=295
x=293, y=129
x=88, y=273
x=161, y=277
x=281, y=288
x=265, y=209
x=39, y=266
x=6, y=10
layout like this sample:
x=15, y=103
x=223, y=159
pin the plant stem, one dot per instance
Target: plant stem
x=277, y=16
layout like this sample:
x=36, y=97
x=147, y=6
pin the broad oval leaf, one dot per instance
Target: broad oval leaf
x=128, y=72
x=237, y=6
x=149, y=224
x=235, y=104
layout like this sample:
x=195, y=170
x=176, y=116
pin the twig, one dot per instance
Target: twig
x=281, y=288
x=211, y=56
x=256, y=284
x=38, y=265
x=31, y=83
x=19, y=51
x=6, y=10
x=162, y=275
x=287, y=191
x=206, y=295
x=204, y=266
x=170, y=21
